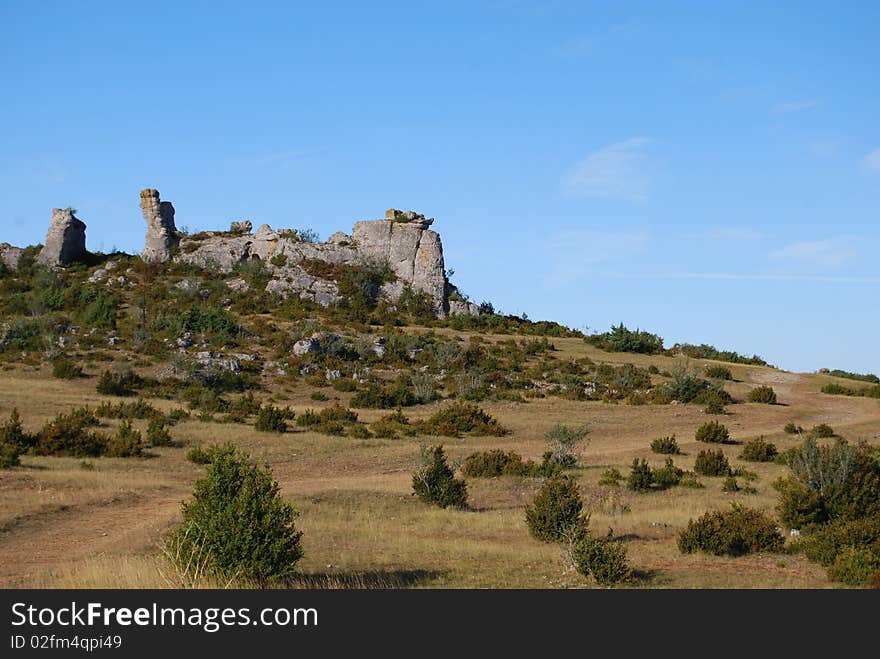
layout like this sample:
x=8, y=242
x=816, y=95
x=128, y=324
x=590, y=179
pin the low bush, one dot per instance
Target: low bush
x=563, y=441
x=237, y=524
x=855, y=566
x=273, y=419
x=392, y=424
x=461, y=418
x=640, y=478
x=733, y=532
x=821, y=431
x=557, y=510
x=712, y=463
x=611, y=477
x=71, y=435
x=712, y=432
x=763, y=394
x=118, y=384
x=792, y=429
x=665, y=445
x=435, y=482
x=604, y=559
x=825, y=543
x=126, y=443
x=9, y=455
x=758, y=450
x=157, y=433
x=718, y=372
x=491, y=464
x=668, y=475
x=12, y=433
x=66, y=369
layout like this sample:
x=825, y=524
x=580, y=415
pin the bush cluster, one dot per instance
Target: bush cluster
x=763, y=394
x=758, y=450
x=435, y=482
x=666, y=445
x=712, y=462
x=557, y=510
x=731, y=532
x=713, y=433
x=461, y=418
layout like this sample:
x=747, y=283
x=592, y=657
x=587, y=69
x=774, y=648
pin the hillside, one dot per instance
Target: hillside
x=202, y=332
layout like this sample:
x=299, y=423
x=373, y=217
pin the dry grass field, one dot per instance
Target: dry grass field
x=66, y=522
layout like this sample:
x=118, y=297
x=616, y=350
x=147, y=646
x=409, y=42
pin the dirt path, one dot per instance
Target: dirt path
x=50, y=540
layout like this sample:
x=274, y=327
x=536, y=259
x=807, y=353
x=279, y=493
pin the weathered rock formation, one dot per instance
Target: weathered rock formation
x=65, y=241
x=161, y=233
x=401, y=240
x=10, y=255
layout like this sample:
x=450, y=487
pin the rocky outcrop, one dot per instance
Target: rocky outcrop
x=402, y=240
x=65, y=241
x=161, y=233
x=414, y=254
x=10, y=255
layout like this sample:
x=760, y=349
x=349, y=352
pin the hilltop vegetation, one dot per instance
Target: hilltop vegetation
x=124, y=382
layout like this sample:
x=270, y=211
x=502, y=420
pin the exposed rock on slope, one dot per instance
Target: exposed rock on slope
x=9, y=255
x=161, y=236
x=402, y=240
x=65, y=240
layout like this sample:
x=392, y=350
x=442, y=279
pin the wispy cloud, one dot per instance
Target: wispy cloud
x=727, y=234
x=871, y=162
x=794, y=106
x=619, y=171
x=829, y=253
x=576, y=251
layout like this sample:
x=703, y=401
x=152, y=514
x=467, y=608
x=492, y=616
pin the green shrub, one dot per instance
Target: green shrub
x=66, y=369
x=157, y=433
x=792, y=429
x=855, y=566
x=665, y=445
x=140, y=409
x=491, y=464
x=9, y=455
x=70, y=434
x=713, y=401
x=730, y=485
x=668, y=475
x=821, y=431
x=391, y=424
x=556, y=510
x=118, y=384
x=461, y=418
x=359, y=431
x=712, y=463
x=202, y=456
x=435, y=483
x=685, y=384
x=12, y=433
x=621, y=339
x=866, y=377
x=757, y=450
x=400, y=394
x=689, y=479
x=126, y=443
x=825, y=543
x=712, y=432
x=640, y=477
x=318, y=395
x=718, y=372
x=611, y=477
x=272, y=419
x=604, y=559
x=563, y=441
x=733, y=532
x=763, y=394
x=238, y=522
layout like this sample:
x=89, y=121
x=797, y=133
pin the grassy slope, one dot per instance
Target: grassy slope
x=62, y=525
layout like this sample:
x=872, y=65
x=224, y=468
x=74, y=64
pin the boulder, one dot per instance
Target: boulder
x=10, y=255
x=243, y=227
x=161, y=236
x=306, y=346
x=66, y=239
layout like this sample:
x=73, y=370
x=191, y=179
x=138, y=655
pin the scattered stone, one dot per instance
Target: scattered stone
x=237, y=284
x=306, y=346
x=66, y=239
x=332, y=375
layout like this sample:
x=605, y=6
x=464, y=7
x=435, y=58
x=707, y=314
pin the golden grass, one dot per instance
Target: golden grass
x=62, y=525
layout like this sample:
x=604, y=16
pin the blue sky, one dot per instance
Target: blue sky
x=707, y=171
